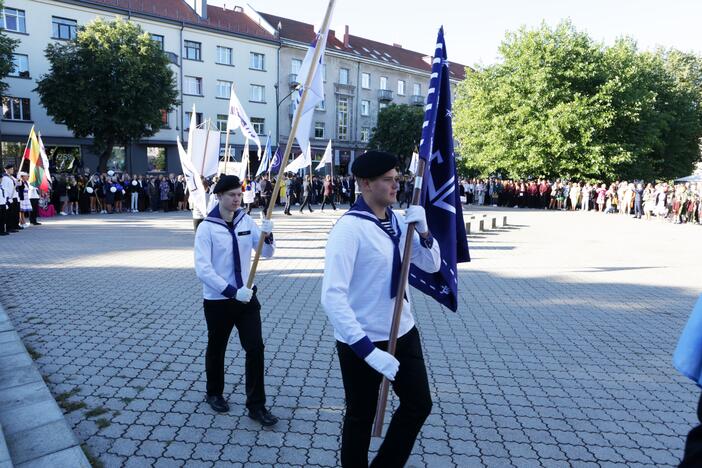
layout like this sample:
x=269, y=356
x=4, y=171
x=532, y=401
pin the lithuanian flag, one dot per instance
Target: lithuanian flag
x=38, y=174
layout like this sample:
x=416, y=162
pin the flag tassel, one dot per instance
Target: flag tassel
x=399, y=302
x=293, y=131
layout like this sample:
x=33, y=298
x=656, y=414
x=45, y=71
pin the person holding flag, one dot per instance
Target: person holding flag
x=223, y=245
x=361, y=277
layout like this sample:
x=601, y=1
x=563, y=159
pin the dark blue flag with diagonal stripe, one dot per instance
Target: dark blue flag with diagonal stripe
x=440, y=195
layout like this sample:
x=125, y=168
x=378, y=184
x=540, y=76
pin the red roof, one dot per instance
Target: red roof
x=359, y=46
x=228, y=20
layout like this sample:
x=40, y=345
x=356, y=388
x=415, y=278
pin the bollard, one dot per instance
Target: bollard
x=494, y=223
x=482, y=225
x=504, y=220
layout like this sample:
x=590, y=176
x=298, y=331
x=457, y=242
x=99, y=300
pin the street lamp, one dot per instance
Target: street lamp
x=277, y=109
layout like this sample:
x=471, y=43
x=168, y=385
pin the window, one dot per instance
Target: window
x=158, y=39
x=13, y=20
x=64, y=28
x=400, y=87
x=192, y=50
x=383, y=82
x=365, y=134
x=258, y=61
x=321, y=106
x=224, y=89
x=14, y=108
x=20, y=65
x=324, y=71
x=343, y=76
x=417, y=91
x=319, y=129
x=295, y=65
x=117, y=161
x=156, y=158
x=365, y=108
x=258, y=93
x=222, y=122
x=382, y=106
x=342, y=118
x=164, y=119
x=192, y=85
x=224, y=55
x=365, y=80
x=188, y=119
x=259, y=125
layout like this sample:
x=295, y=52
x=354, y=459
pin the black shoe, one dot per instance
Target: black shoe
x=4, y=233
x=263, y=416
x=217, y=403
x=13, y=230
x=36, y=224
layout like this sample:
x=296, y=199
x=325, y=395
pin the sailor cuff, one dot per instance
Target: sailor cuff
x=427, y=242
x=363, y=347
x=229, y=291
x=268, y=239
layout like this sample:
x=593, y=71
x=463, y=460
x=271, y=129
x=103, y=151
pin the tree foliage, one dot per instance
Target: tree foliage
x=399, y=130
x=7, y=47
x=561, y=105
x=111, y=82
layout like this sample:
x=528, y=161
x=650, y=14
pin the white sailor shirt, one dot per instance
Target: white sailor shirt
x=215, y=258
x=357, y=279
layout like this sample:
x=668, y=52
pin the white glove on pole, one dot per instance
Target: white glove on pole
x=416, y=214
x=244, y=294
x=266, y=224
x=383, y=362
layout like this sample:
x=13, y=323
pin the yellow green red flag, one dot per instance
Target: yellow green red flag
x=32, y=157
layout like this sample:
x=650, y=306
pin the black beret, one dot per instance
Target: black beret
x=9, y=166
x=373, y=164
x=226, y=182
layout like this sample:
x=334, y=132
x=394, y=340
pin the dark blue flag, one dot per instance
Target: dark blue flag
x=276, y=161
x=440, y=195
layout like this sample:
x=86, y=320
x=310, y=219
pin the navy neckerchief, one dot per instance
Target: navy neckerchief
x=216, y=217
x=360, y=209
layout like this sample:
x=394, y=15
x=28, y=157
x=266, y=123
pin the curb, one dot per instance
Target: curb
x=36, y=433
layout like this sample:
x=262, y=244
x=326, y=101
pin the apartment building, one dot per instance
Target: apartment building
x=211, y=47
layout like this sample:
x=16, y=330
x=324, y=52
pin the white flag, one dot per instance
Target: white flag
x=327, y=158
x=414, y=162
x=315, y=95
x=193, y=180
x=244, y=165
x=238, y=119
x=302, y=161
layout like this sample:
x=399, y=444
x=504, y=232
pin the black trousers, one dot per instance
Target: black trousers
x=35, y=210
x=196, y=223
x=328, y=199
x=3, y=218
x=306, y=203
x=361, y=385
x=222, y=316
x=693, y=445
x=13, y=218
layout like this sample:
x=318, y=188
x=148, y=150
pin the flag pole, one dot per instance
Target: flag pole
x=226, y=151
x=308, y=82
x=399, y=303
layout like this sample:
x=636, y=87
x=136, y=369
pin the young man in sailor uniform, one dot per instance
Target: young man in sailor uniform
x=223, y=245
x=361, y=275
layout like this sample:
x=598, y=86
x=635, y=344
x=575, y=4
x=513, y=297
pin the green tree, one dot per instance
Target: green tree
x=112, y=82
x=399, y=130
x=560, y=104
x=7, y=47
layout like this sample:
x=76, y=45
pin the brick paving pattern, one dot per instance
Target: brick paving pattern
x=560, y=353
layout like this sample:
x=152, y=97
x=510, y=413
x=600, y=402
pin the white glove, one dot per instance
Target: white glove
x=416, y=214
x=266, y=224
x=383, y=362
x=244, y=294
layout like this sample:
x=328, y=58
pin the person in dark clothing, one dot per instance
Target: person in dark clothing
x=306, y=194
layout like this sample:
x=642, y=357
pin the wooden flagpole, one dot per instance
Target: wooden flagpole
x=399, y=303
x=308, y=82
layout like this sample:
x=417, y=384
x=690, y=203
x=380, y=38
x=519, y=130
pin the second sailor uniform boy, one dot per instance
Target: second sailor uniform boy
x=223, y=245
x=361, y=275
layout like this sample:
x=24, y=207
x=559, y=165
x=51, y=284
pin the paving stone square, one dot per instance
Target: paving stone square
x=560, y=353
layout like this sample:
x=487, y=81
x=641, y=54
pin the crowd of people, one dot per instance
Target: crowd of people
x=677, y=202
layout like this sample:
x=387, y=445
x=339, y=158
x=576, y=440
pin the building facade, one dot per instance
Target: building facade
x=211, y=48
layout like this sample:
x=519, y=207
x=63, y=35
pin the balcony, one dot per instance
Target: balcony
x=293, y=81
x=344, y=89
x=384, y=95
x=417, y=100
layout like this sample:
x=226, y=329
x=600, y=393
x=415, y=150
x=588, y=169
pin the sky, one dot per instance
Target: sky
x=475, y=29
